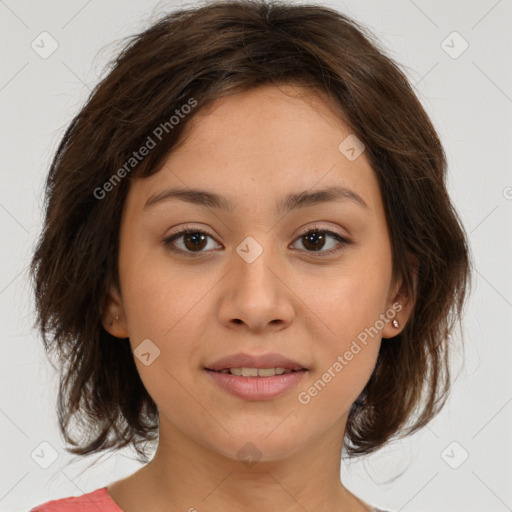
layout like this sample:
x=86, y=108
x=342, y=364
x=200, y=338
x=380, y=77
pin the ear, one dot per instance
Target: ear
x=113, y=318
x=400, y=305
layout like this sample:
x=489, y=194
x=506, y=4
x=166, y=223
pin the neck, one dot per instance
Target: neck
x=184, y=475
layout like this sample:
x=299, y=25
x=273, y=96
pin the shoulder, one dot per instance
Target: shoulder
x=90, y=502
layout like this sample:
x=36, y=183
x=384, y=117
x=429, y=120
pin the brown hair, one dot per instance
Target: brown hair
x=205, y=53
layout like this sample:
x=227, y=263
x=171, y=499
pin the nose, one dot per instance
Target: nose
x=256, y=296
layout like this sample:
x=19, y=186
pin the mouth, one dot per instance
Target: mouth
x=257, y=365
x=256, y=377
x=256, y=372
x=256, y=384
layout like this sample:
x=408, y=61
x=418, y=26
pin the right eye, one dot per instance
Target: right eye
x=193, y=238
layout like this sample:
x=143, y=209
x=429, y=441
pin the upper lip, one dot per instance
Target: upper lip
x=241, y=360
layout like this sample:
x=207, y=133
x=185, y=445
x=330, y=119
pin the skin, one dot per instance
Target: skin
x=254, y=147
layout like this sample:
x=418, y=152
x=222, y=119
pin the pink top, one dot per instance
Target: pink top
x=98, y=500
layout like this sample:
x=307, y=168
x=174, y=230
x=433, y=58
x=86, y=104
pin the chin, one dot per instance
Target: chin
x=256, y=447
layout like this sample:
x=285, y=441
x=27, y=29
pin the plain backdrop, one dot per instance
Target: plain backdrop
x=457, y=55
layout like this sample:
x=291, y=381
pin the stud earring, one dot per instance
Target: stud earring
x=395, y=323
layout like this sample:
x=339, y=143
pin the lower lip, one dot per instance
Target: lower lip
x=257, y=388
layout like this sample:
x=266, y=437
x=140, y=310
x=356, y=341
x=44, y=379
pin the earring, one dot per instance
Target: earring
x=395, y=323
x=117, y=317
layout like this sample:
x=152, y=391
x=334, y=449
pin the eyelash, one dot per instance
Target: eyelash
x=168, y=241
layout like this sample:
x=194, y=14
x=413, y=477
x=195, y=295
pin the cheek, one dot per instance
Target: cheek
x=170, y=308
x=347, y=303
x=347, y=348
x=347, y=323
x=161, y=299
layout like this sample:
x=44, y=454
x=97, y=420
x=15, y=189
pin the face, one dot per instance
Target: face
x=307, y=283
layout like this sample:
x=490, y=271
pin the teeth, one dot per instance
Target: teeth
x=256, y=372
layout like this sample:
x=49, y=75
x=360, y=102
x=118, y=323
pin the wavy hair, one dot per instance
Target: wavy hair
x=207, y=52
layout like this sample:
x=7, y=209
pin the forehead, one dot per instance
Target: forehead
x=285, y=117
x=262, y=144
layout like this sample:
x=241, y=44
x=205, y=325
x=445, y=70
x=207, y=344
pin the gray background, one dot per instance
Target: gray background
x=468, y=95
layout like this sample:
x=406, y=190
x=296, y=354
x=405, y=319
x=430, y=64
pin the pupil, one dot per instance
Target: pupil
x=315, y=238
x=196, y=239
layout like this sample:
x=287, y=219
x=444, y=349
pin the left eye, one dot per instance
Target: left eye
x=316, y=240
x=194, y=241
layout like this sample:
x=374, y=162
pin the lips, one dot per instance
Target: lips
x=242, y=360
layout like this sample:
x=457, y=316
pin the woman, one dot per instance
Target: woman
x=249, y=260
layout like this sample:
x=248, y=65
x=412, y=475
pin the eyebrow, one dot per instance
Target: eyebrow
x=291, y=202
